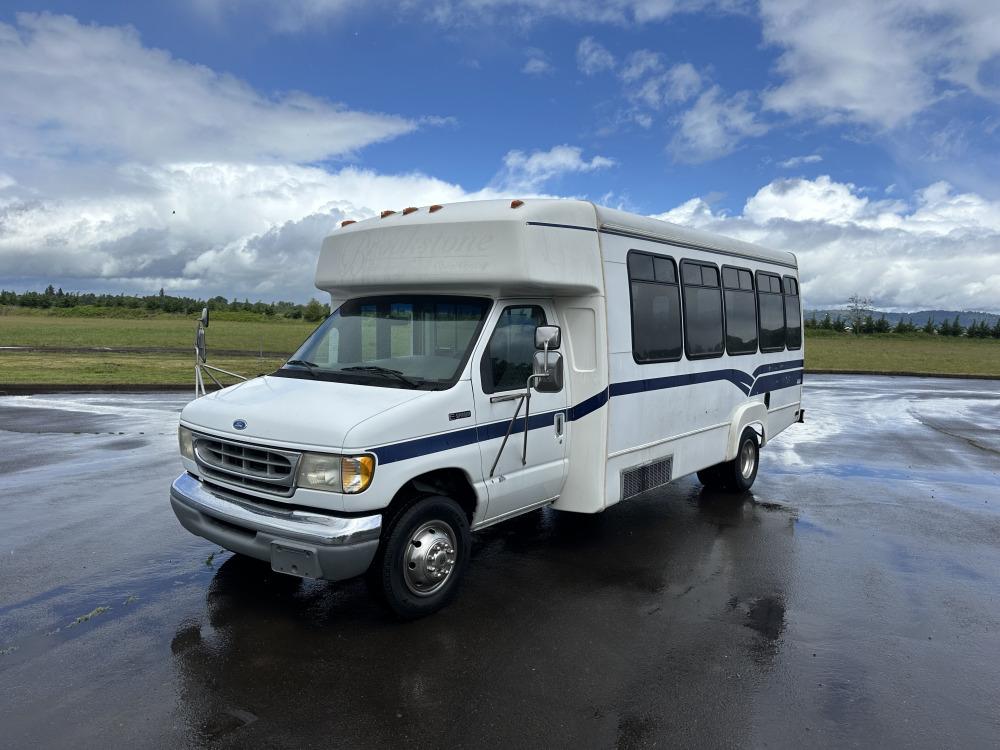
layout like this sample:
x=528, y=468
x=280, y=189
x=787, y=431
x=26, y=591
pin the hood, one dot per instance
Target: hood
x=291, y=411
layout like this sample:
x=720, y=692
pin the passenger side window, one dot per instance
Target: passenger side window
x=703, y=323
x=507, y=362
x=793, y=314
x=770, y=312
x=656, y=308
x=741, y=311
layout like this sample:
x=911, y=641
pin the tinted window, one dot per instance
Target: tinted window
x=702, y=310
x=664, y=270
x=656, y=308
x=640, y=267
x=741, y=311
x=506, y=364
x=770, y=312
x=793, y=315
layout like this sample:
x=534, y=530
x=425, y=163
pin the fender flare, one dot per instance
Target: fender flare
x=753, y=414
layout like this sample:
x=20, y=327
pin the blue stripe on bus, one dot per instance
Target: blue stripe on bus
x=775, y=366
x=749, y=384
x=737, y=377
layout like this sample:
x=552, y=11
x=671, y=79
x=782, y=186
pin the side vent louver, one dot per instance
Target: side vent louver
x=639, y=479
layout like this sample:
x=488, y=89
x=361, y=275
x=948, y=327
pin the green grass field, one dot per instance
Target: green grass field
x=17, y=368
x=917, y=353
x=161, y=331
x=825, y=350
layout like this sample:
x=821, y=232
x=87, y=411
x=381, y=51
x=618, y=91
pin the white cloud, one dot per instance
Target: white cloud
x=939, y=250
x=537, y=65
x=527, y=173
x=798, y=161
x=592, y=57
x=639, y=63
x=714, y=126
x=678, y=84
x=878, y=63
x=251, y=230
x=107, y=96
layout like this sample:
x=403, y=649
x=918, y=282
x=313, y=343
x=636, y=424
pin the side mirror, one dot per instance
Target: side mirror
x=204, y=317
x=548, y=337
x=547, y=371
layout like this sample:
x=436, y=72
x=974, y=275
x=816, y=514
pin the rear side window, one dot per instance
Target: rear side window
x=656, y=308
x=770, y=312
x=793, y=313
x=506, y=364
x=741, y=311
x=703, y=323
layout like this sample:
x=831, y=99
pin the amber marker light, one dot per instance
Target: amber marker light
x=387, y=212
x=434, y=208
x=516, y=204
x=409, y=210
x=347, y=223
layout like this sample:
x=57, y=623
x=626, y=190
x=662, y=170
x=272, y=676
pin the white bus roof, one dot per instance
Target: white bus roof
x=544, y=246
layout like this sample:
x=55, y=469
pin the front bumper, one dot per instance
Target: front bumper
x=302, y=543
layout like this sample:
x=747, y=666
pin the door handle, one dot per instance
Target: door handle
x=560, y=422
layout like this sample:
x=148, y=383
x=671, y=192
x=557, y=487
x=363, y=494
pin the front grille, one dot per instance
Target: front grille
x=646, y=477
x=254, y=467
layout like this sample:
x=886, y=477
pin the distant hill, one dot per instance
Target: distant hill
x=965, y=317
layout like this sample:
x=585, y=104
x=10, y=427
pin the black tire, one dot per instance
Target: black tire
x=738, y=475
x=428, y=538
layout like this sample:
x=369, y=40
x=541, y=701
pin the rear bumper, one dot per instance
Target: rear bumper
x=302, y=543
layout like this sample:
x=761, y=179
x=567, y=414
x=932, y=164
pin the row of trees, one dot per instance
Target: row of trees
x=53, y=298
x=869, y=324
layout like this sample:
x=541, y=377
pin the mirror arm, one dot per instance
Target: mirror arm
x=521, y=399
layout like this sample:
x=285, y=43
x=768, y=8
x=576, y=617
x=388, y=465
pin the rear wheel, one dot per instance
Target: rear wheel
x=739, y=474
x=422, y=557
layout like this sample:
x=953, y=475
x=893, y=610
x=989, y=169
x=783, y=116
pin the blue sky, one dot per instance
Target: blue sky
x=207, y=145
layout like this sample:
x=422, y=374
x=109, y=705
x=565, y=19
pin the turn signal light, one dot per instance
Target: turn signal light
x=356, y=473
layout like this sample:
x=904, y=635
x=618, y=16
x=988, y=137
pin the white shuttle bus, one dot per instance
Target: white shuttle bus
x=484, y=360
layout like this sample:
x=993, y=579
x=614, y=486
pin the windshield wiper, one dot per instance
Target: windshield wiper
x=310, y=366
x=376, y=370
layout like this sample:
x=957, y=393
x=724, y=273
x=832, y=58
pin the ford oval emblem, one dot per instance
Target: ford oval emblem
x=240, y=424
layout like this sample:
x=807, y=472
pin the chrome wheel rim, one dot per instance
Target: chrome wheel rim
x=429, y=558
x=748, y=459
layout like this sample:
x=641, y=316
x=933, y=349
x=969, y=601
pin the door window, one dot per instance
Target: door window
x=506, y=364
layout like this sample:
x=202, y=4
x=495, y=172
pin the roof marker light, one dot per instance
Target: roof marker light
x=516, y=203
x=409, y=210
x=435, y=207
x=347, y=222
x=387, y=212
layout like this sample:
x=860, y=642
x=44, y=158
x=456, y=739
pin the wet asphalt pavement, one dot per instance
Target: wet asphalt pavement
x=852, y=600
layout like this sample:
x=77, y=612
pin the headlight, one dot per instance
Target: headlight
x=350, y=474
x=186, y=442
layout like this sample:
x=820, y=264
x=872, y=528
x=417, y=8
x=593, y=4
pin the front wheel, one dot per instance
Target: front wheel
x=422, y=557
x=739, y=474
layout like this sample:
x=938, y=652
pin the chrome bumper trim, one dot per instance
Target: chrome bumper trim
x=311, y=527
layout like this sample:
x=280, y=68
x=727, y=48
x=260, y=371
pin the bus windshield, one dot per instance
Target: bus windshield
x=405, y=341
